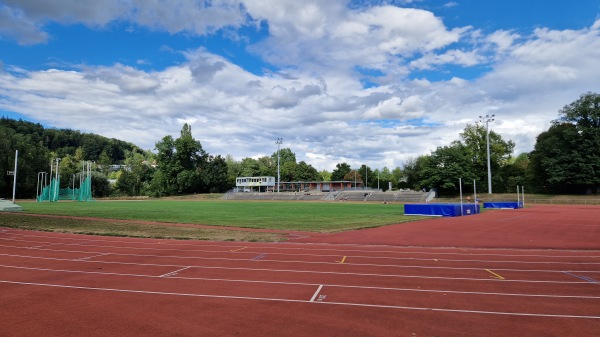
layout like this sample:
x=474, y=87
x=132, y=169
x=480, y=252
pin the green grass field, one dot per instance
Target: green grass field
x=131, y=229
x=301, y=216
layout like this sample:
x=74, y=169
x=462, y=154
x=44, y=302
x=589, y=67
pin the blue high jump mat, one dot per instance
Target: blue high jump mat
x=441, y=209
x=503, y=205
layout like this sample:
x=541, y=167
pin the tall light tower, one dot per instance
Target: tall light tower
x=487, y=119
x=278, y=142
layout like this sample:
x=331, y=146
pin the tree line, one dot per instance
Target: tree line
x=39, y=146
x=565, y=159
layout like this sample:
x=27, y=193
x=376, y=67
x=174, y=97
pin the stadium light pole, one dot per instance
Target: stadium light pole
x=278, y=142
x=15, y=175
x=487, y=119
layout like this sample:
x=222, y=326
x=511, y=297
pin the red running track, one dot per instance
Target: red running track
x=54, y=284
x=537, y=226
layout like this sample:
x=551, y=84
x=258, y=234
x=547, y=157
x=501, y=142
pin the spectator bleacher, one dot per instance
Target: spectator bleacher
x=346, y=195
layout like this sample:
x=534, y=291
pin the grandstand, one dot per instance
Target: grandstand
x=343, y=195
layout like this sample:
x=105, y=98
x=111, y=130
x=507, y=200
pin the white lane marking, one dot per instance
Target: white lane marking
x=249, y=251
x=301, y=262
x=316, y=293
x=300, y=301
x=304, y=246
x=93, y=256
x=174, y=272
x=300, y=283
x=304, y=271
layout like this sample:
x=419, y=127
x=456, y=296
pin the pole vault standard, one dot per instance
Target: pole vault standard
x=461, y=200
x=475, y=195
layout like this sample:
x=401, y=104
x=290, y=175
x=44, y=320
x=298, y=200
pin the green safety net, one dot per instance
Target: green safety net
x=53, y=193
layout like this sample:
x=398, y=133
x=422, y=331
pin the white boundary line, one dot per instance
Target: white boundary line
x=91, y=257
x=172, y=273
x=302, y=284
x=305, y=271
x=300, y=301
x=250, y=251
x=287, y=246
x=299, y=262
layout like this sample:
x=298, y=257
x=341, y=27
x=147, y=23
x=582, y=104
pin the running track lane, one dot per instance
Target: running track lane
x=178, y=302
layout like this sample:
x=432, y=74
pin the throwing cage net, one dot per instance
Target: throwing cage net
x=53, y=193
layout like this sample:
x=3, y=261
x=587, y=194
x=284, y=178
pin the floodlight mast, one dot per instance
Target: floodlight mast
x=487, y=119
x=278, y=142
x=15, y=175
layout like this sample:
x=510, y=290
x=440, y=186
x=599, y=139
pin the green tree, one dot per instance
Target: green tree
x=70, y=168
x=126, y=184
x=267, y=167
x=325, y=175
x=285, y=155
x=382, y=178
x=33, y=158
x=250, y=168
x=135, y=178
x=305, y=172
x=514, y=172
x=566, y=157
x=341, y=170
x=473, y=138
x=288, y=171
x=370, y=178
x=215, y=175
x=412, y=173
x=180, y=162
x=354, y=176
x=100, y=186
x=234, y=169
x=443, y=168
x=164, y=181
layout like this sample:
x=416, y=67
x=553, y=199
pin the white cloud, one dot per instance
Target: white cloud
x=395, y=108
x=374, y=37
x=24, y=19
x=316, y=101
x=457, y=57
x=14, y=25
x=502, y=39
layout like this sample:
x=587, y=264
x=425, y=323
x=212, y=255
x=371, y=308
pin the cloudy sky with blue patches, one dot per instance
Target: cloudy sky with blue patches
x=364, y=82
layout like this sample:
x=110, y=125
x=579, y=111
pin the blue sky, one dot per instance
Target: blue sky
x=364, y=82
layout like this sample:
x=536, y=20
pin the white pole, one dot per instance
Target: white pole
x=37, y=188
x=487, y=132
x=51, y=192
x=278, y=142
x=475, y=195
x=461, y=200
x=15, y=176
x=523, y=195
x=487, y=120
x=57, y=189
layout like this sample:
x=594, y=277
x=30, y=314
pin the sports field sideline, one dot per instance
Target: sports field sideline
x=533, y=271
